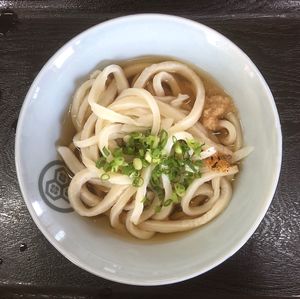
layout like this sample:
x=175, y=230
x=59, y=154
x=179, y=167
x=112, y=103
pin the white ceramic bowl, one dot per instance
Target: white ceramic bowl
x=95, y=247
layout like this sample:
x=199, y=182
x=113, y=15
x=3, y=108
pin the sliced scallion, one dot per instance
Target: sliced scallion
x=105, y=151
x=137, y=163
x=105, y=177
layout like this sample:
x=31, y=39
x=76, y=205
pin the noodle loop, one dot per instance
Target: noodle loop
x=153, y=150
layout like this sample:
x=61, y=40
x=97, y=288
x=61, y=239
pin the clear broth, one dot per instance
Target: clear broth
x=212, y=87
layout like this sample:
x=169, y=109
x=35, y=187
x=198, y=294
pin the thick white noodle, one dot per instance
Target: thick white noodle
x=82, y=114
x=241, y=153
x=117, y=209
x=142, y=96
x=70, y=159
x=182, y=69
x=239, y=135
x=140, y=194
x=165, y=211
x=190, y=192
x=230, y=138
x=149, y=99
x=164, y=77
x=89, y=198
x=198, y=131
x=177, y=102
x=135, y=231
x=198, y=210
x=105, y=204
x=171, y=226
x=77, y=101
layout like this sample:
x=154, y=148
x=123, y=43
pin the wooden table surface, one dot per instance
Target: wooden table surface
x=268, y=266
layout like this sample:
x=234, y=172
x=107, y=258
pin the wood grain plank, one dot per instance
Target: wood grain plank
x=202, y=7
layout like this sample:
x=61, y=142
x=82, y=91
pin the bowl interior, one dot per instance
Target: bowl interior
x=90, y=243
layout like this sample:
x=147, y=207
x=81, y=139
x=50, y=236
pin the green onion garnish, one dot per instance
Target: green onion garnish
x=178, y=149
x=190, y=165
x=167, y=202
x=137, y=182
x=146, y=201
x=163, y=138
x=138, y=150
x=179, y=189
x=158, y=209
x=141, y=152
x=137, y=163
x=105, y=151
x=105, y=177
x=136, y=135
x=100, y=162
x=118, y=152
x=148, y=157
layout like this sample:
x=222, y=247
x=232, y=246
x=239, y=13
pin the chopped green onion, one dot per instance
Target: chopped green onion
x=155, y=142
x=160, y=193
x=128, y=169
x=163, y=138
x=142, y=149
x=134, y=174
x=166, y=171
x=100, y=162
x=167, y=202
x=195, y=146
x=178, y=149
x=188, y=174
x=155, y=181
x=155, y=176
x=175, y=198
x=105, y=151
x=179, y=189
x=107, y=167
x=198, y=163
x=128, y=150
x=138, y=182
x=185, y=148
x=198, y=175
x=149, y=140
x=141, y=152
x=136, y=135
x=190, y=165
x=158, y=209
x=145, y=163
x=119, y=160
x=152, y=141
x=148, y=157
x=145, y=201
x=118, y=152
x=156, y=160
x=156, y=153
x=137, y=163
x=105, y=177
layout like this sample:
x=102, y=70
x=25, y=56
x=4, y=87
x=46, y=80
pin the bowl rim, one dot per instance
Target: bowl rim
x=230, y=251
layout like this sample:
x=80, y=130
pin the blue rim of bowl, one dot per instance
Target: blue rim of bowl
x=228, y=253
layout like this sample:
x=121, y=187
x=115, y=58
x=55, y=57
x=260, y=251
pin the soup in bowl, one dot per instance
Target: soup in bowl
x=152, y=175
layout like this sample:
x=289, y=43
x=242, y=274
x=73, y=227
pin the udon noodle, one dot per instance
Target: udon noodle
x=154, y=149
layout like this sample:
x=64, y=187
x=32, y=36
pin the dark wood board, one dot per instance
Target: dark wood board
x=268, y=265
